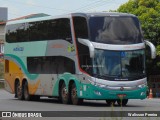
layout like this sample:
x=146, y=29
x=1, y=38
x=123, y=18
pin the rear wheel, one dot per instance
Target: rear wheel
x=110, y=102
x=27, y=96
x=15, y=87
x=19, y=91
x=64, y=94
x=74, y=97
x=122, y=102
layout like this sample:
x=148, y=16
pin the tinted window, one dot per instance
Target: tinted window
x=119, y=65
x=115, y=30
x=81, y=31
x=15, y=32
x=50, y=65
x=39, y=31
x=80, y=27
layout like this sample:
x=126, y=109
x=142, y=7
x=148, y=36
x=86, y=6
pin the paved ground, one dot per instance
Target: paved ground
x=9, y=103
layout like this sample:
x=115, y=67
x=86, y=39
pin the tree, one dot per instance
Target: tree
x=148, y=12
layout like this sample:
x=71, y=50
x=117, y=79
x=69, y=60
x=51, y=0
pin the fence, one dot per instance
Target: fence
x=154, y=84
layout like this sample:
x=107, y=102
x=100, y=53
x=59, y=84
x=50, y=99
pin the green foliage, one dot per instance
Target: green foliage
x=158, y=50
x=148, y=12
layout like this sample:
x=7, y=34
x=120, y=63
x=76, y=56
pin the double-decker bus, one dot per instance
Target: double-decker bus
x=94, y=56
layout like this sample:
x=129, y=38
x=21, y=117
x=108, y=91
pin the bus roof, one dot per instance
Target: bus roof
x=102, y=14
x=37, y=19
x=69, y=16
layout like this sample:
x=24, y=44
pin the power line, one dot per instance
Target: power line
x=99, y=5
x=33, y=5
x=93, y=3
x=95, y=6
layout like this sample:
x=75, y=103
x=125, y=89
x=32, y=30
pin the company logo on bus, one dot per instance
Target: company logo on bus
x=122, y=88
x=18, y=48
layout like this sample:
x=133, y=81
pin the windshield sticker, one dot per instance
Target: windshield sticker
x=123, y=54
x=71, y=48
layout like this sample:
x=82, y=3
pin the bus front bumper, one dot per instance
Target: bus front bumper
x=97, y=93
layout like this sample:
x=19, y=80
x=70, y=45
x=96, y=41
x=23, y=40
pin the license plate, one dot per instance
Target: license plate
x=121, y=95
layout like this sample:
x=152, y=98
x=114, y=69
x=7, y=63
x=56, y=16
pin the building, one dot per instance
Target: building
x=2, y=37
x=3, y=14
x=3, y=19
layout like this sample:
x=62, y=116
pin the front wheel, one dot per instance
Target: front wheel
x=122, y=102
x=110, y=102
x=74, y=97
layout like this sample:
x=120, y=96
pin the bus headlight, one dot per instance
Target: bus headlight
x=100, y=85
x=142, y=85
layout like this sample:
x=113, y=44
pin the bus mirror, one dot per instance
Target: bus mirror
x=152, y=48
x=89, y=44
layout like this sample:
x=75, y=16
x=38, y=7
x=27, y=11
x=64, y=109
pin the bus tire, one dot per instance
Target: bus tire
x=64, y=96
x=122, y=102
x=110, y=102
x=19, y=91
x=74, y=97
x=15, y=87
x=27, y=96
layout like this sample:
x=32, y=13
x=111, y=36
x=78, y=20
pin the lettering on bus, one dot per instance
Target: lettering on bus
x=18, y=49
x=57, y=46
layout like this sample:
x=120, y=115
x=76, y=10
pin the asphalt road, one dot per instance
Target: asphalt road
x=9, y=103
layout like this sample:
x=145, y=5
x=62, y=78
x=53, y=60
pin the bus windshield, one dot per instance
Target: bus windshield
x=119, y=64
x=115, y=30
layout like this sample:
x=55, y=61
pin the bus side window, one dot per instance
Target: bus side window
x=80, y=27
x=65, y=65
x=59, y=29
x=11, y=33
x=50, y=65
x=81, y=31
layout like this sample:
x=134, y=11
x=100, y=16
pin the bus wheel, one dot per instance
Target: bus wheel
x=26, y=92
x=74, y=98
x=122, y=102
x=110, y=102
x=19, y=91
x=64, y=94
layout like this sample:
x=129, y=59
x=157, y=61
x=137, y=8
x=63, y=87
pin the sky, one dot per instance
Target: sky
x=19, y=8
